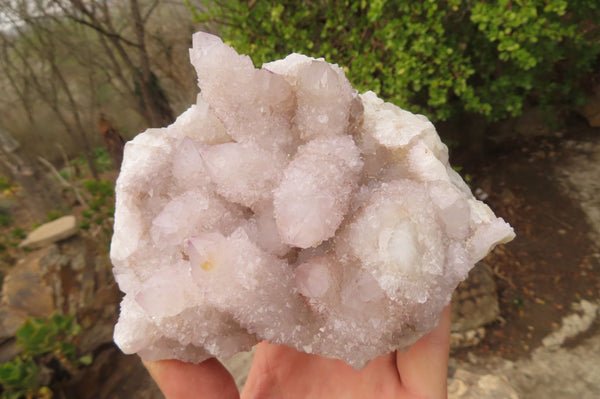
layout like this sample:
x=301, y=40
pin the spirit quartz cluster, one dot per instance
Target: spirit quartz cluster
x=284, y=206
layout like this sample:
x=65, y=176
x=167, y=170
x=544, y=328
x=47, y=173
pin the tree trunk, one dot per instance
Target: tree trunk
x=153, y=97
x=40, y=195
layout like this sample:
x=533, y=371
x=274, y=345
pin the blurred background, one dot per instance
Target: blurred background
x=512, y=86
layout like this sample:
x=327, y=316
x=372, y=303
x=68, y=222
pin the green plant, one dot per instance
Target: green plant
x=78, y=167
x=38, y=336
x=18, y=233
x=518, y=301
x=5, y=219
x=438, y=57
x=99, y=188
x=85, y=225
x=41, y=341
x=98, y=218
x=53, y=215
x=9, y=251
x=102, y=159
x=19, y=378
x=9, y=242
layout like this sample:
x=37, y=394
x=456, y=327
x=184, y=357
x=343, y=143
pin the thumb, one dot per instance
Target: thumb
x=180, y=380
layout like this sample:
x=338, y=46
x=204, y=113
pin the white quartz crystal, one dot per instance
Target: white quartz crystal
x=284, y=206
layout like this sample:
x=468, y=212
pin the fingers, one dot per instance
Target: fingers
x=179, y=380
x=279, y=371
x=423, y=369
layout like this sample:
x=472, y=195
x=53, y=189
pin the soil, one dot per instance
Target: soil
x=553, y=262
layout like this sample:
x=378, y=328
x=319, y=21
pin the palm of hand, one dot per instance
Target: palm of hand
x=284, y=373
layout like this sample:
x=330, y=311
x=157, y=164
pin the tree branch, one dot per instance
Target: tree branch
x=62, y=181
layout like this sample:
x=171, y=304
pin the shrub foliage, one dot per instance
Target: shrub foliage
x=46, y=351
x=438, y=57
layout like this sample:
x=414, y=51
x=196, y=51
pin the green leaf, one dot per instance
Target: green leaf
x=67, y=349
x=19, y=377
x=439, y=57
x=86, y=360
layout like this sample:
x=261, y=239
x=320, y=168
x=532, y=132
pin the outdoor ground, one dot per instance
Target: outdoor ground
x=538, y=186
x=548, y=188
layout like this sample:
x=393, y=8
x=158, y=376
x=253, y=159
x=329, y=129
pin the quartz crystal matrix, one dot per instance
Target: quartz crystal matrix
x=284, y=206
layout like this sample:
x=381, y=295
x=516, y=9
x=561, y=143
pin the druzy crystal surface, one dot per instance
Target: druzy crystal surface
x=284, y=206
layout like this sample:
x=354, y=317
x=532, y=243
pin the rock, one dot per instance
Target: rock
x=579, y=178
x=284, y=206
x=474, y=304
x=535, y=376
x=24, y=289
x=8, y=350
x=98, y=318
x=10, y=321
x=573, y=324
x=79, y=273
x=466, y=385
x=467, y=338
x=113, y=375
x=54, y=231
x=70, y=270
x=71, y=277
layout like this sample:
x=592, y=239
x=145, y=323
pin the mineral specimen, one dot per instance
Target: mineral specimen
x=284, y=206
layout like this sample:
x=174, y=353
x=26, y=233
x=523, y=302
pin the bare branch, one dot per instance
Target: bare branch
x=92, y=20
x=62, y=181
x=150, y=11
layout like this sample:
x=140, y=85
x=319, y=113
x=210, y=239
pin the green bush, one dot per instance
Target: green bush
x=38, y=336
x=53, y=215
x=18, y=233
x=41, y=341
x=102, y=159
x=5, y=218
x=437, y=57
x=19, y=378
x=78, y=167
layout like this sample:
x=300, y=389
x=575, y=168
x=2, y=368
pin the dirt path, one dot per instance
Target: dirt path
x=567, y=372
x=548, y=346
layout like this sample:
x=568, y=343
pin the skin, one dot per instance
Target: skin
x=284, y=373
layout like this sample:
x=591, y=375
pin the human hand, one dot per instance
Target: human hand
x=284, y=373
